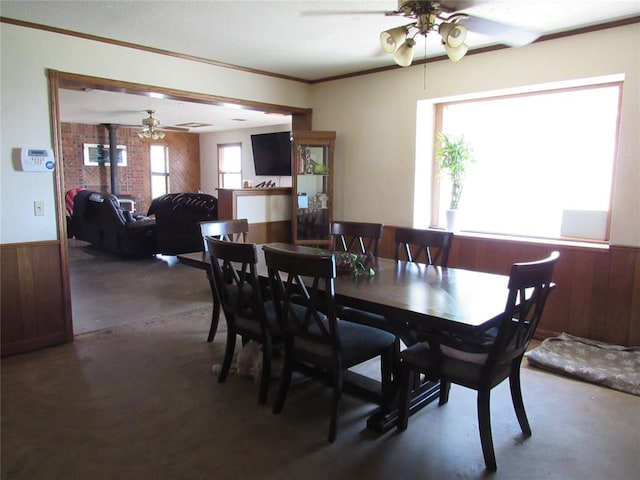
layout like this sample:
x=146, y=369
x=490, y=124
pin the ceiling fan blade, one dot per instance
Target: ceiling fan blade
x=174, y=129
x=507, y=34
x=310, y=13
x=456, y=6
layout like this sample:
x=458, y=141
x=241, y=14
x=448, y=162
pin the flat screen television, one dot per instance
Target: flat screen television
x=272, y=153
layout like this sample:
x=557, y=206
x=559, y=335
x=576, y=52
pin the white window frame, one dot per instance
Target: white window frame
x=436, y=213
x=159, y=173
x=225, y=179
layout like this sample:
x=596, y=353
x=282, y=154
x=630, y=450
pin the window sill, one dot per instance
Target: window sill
x=582, y=244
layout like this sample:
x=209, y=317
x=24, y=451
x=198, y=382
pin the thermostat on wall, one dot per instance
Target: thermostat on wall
x=37, y=159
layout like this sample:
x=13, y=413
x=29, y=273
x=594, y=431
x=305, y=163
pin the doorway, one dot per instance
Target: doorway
x=301, y=120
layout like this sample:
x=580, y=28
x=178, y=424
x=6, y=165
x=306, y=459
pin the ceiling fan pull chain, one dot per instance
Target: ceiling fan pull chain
x=424, y=79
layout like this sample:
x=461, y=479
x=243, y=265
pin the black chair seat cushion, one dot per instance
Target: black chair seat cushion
x=358, y=344
x=420, y=356
x=473, y=349
x=248, y=323
x=462, y=360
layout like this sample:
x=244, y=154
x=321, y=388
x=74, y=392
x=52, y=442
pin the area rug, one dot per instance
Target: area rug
x=613, y=366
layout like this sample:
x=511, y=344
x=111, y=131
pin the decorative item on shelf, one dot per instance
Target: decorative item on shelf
x=454, y=155
x=319, y=169
x=354, y=263
x=306, y=163
x=322, y=199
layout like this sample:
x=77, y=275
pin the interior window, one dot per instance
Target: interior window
x=230, y=165
x=544, y=162
x=159, y=155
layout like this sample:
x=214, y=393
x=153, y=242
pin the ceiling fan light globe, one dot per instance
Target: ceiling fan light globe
x=453, y=34
x=390, y=39
x=404, y=54
x=456, y=53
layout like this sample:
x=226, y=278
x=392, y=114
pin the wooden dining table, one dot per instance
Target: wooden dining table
x=423, y=298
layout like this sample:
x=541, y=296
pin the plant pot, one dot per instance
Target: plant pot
x=453, y=220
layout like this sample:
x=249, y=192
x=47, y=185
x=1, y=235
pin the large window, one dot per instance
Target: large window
x=159, y=155
x=544, y=162
x=230, y=165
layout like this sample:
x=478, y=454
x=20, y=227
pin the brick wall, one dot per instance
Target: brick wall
x=135, y=178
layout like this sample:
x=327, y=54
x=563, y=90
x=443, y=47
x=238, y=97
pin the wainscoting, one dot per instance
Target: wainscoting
x=597, y=297
x=598, y=289
x=34, y=311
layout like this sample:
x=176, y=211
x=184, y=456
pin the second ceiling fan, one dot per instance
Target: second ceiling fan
x=152, y=130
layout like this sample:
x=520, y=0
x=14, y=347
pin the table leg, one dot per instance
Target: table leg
x=382, y=421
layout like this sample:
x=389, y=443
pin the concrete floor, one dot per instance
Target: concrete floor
x=134, y=397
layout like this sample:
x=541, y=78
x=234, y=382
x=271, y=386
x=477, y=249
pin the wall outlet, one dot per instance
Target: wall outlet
x=38, y=208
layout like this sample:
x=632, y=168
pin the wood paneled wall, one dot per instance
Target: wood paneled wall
x=33, y=311
x=135, y=178
x=598, y=289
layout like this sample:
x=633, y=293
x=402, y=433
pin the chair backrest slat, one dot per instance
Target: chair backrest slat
x=433, y=245
x=356, y=237
x=304, y=292
x=529, y=286
x=227, y=230
x=235, y=274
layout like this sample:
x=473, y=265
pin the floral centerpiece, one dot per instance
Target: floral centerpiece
x=354, y=263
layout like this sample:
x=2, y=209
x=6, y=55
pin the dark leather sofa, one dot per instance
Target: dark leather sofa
x=97, y=218
x=178, y=217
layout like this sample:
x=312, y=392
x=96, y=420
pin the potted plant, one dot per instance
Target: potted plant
x=454, y=155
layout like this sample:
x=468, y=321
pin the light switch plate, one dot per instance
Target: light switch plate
x=38, y=208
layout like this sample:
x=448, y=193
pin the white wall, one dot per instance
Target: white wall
x=209, y=156
x=25, y=56
x=374, y=115
x=375, y=120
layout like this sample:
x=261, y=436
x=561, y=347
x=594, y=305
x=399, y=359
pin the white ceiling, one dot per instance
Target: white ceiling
x=308, y=40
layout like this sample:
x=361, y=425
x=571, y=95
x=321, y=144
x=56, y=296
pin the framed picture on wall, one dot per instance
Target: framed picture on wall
x=98, y=154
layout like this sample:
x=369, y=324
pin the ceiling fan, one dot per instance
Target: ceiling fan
x=448, y=19
x=451, y=23
x=152, y=130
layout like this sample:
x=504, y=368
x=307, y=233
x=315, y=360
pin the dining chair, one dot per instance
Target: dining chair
x=303, y=286
x=412, y=244
x=482, y=361
x=357, y=237
x=227, y=230
x=238, y=289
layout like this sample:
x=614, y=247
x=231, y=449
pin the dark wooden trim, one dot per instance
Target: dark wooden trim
x=491, y=48
x=76, y=81
x=31, y=344
x=476, y=51
x=56, y=135
x=136, y=46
